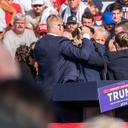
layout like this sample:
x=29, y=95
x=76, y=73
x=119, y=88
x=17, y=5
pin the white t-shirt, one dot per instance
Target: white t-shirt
x=12, y=41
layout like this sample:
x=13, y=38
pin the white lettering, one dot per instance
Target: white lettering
x=109, y=95
x=118, y=95
x=126, y=92
x=121, y=93
x=115, y=95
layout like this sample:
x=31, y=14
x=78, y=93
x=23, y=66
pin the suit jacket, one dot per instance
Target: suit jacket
x=55, y=56
x=91, y=70
x=118, y=65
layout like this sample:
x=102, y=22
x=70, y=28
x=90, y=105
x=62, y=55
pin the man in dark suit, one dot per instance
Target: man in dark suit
x=52, y=51
x=56, y=56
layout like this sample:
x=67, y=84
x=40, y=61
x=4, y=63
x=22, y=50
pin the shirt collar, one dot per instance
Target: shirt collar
x=52, y=34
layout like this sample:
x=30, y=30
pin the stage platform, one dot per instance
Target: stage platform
x=83, y=97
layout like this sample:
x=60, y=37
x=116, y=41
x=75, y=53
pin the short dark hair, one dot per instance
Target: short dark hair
x=88, y=15
x=115, y=6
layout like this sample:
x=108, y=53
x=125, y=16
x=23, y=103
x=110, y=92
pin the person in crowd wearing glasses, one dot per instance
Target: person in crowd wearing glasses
x=19, y=35
x=37, y=16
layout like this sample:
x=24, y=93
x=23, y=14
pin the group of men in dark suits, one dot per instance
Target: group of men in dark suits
x=60, y=61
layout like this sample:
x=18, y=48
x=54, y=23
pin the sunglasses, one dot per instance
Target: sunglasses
x=37, y=5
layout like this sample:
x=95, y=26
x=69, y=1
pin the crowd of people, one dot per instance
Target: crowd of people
x=61, y=41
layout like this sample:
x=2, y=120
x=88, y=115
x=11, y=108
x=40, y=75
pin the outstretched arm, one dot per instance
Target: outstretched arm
x=75, y=52
x=86, y=52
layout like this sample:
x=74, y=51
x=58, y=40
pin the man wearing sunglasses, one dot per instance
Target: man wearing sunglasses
x=37, y=16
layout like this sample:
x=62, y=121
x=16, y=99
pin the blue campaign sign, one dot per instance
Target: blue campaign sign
x=113, y=96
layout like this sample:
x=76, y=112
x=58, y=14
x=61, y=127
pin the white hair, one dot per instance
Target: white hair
x=102, y=30
x=19, y=16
